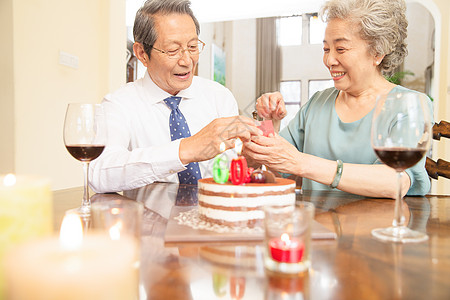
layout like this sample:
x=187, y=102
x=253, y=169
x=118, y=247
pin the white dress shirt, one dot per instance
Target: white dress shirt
x=139, y=150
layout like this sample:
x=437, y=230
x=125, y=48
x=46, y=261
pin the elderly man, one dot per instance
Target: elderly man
x=162, y=125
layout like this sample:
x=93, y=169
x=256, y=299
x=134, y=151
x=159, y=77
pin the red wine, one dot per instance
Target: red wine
x=85, y=152
x=400, y=158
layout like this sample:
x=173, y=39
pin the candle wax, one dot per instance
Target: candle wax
x=99, y=269
x=286, y=252
x=25, y=214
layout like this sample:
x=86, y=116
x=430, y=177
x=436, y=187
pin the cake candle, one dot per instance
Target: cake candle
x=220, y=166
x=239, y=168
x=286, y=250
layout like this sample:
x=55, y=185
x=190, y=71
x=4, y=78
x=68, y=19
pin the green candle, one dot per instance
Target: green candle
x=220, y=166
x=25, y=213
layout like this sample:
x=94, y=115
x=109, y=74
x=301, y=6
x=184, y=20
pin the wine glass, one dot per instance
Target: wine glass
x=85, y=137
x=401, y=134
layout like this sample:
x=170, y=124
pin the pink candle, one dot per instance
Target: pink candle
x=286, y=250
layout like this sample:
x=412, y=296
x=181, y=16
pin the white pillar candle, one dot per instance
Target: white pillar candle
x=25, y=212
x=95, y=267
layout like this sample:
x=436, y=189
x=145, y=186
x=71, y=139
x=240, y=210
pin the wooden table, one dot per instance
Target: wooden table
x=353, y=266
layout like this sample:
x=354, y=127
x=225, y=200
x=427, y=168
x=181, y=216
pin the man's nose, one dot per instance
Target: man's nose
x=185, y=58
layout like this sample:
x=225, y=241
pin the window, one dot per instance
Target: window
x=290, y=31
x=291, y=91
x=318, y=85
x=316, y=29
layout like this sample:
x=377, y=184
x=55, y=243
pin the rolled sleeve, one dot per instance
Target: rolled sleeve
x=120, y=169
x=420, y=182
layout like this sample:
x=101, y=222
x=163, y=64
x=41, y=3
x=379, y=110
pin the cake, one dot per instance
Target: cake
x=228, y=258
x=241, y=205
x=234, y=270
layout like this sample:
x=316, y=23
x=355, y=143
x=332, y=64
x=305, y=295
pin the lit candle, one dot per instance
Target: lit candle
x=239, y=172
x=220, y=166
x=26, y=212
x=115, y=231
x=73, y=267
x=286, y=250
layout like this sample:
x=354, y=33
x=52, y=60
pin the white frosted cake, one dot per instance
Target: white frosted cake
x=241, y=205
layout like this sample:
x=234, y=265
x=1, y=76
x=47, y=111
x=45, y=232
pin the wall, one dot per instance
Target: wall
x=420, y=54
x=238, y=40
x=94, y=31
x=211, y=33
x=6, y=88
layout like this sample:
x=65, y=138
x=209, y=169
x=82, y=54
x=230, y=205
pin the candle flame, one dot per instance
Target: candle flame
x=9, y=180
x=222, y=147
x=285, y=238
x=115, y=230
x=238, y=146
x=71, y=233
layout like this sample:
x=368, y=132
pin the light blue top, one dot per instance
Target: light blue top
x=317, y=130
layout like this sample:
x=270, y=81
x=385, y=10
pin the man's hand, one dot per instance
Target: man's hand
x=206, y=143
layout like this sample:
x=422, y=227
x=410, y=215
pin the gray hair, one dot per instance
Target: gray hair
x=144, y=30
x=382, y=23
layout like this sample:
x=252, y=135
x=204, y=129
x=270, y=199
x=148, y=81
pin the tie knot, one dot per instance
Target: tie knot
x=172, y=102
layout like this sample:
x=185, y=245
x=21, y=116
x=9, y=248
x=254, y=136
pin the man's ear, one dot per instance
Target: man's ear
x=139, y=51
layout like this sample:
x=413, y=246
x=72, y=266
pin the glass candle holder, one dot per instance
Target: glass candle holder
x=121, y=220
x=287, y=241
x=118, y=218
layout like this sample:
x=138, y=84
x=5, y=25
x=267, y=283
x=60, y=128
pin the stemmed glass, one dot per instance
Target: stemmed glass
x=401, y=134
x=85, y=138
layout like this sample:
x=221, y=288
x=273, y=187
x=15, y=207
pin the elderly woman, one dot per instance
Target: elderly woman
x=363, y=39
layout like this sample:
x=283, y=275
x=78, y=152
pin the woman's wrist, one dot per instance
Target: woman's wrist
x=338, y=175
x=300, y=166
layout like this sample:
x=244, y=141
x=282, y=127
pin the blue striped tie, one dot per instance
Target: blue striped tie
x=180, y=129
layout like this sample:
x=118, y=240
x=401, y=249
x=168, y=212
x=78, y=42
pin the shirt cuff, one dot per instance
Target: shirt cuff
x=170, y=162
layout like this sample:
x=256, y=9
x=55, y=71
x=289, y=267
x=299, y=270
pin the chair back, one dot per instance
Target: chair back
x=439, y=167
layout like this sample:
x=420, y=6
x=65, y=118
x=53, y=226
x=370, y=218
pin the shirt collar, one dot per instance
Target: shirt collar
x=155, y=94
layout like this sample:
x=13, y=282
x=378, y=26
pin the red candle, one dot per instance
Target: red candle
x=238, y=171
x=286, y=250
x=238, y=168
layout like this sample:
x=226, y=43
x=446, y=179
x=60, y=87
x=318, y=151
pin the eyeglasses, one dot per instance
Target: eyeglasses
x=194, y=49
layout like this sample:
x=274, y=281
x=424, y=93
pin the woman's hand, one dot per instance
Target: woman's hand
x=271, y=106
x=274, y=152
x=205, y=144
